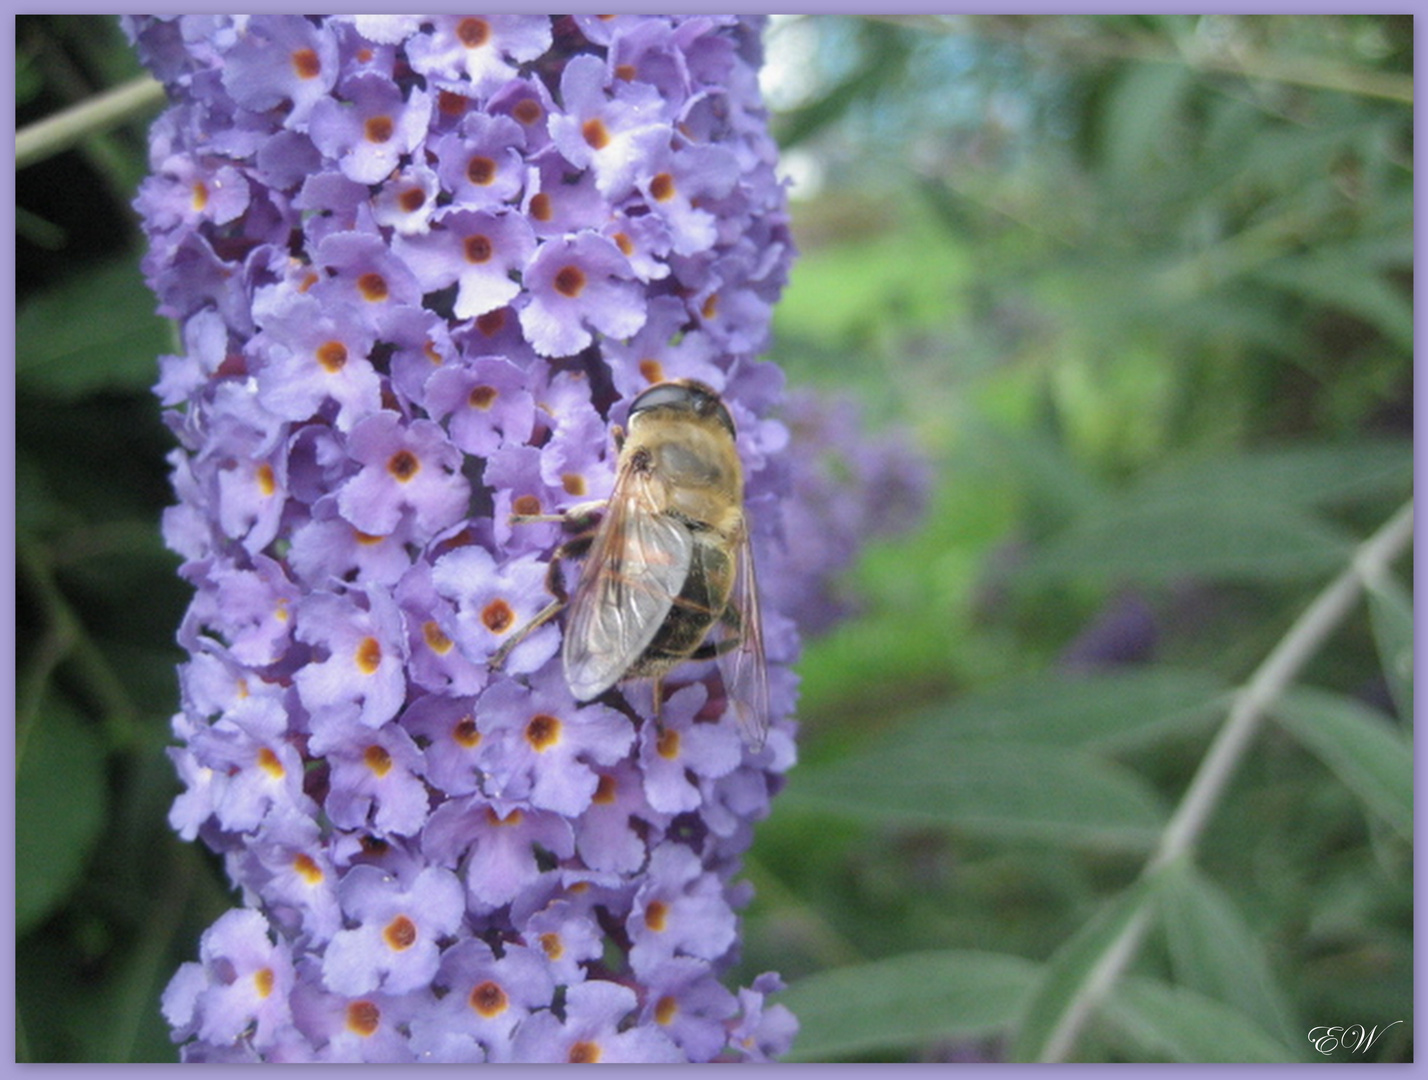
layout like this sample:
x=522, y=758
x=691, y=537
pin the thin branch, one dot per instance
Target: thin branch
x=98, y=114
x=1242, y=60
x=64, y=641
x=1371, y=559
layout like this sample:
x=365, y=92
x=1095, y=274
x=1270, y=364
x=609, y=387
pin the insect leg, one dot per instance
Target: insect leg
x=554, y=584
x=550, y=611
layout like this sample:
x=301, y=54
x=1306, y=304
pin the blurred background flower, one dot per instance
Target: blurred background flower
x=1138, y=288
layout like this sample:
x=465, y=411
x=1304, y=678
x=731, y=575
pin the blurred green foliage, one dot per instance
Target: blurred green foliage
x=1140, y=289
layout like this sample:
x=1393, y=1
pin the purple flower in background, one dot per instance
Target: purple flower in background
x=420, y=264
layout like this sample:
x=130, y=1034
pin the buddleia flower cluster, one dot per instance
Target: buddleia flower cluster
x=420, y=264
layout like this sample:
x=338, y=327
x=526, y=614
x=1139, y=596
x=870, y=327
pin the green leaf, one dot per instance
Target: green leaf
x=1060, y=710
x=1322, y=474
x=906, y=1001
x=1328, y=278
x=1360, y=745
x=1140, y=117
x=1186, y=1026
x=1167, y=540
x=96, y=332
x=1391, y=612
x=60, y=796
x=1066, y=975
x=1005, y=790
x=1054, y=482
x=1213, y=951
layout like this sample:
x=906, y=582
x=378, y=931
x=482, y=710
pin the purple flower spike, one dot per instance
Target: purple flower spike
x=422, y=264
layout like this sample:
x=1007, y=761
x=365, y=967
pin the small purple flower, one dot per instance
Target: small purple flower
x=404, y=470
x=407, y=200
x=615, y=131
x=491, y=603
x=568, y=937
x=370, y=131
x=691, y=176
x=543, y=748
x=485, y=403
x=610, y=833
x=592, y=1031
x=251, y=609
x=487, y=997
x=762, y=1030
x=336, y=1027
x=276, y=60
x=577, y=285
x=480, y=49
x=475, y=250
x=374, y=778
x=242, y=983
x=678, y=751
x=422, y=264
x=297, y=877
x=560, y=199
x=679, y=911
x=499, y=843
x=394, y=930
x=183, y=192
x=357, y=667
x=327, y=547
x=690, y=1006
x=359, y=269
x=445, y=727
x=309, y=354
x=481, y=162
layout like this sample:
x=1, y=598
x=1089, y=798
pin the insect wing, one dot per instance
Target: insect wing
x=636, y=567
x=744, y=670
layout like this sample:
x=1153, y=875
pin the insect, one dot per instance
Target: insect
x=669, y=570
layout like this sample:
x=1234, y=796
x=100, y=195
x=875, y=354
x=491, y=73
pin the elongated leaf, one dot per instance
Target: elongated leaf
x=1139, y=115
x=1322, y=474
x=1362, y=747
x=1053, y=478
x=906, y=1001
x=1391, y=610
x=1171, y=539
x=59, y=809
x=996, y=789
x=1181, y=1025
x=1214, y=952
x=1328, y=279
x=1065, y=980
x=1061, y=710
x=97, y=332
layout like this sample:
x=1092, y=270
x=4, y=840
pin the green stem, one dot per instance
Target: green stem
x=64, y=640
x=1270, y=679
x=58, y=133
x=1247, y=63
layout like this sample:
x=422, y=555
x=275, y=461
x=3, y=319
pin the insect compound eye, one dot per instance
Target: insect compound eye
x=684, y=394
x=666, y=395
x=722, y=415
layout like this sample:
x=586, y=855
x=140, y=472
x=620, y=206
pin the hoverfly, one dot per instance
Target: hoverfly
x=669, y=570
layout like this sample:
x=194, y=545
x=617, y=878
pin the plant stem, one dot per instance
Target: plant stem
x=64, y=641
x=58, y=133
x=1370, y=560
